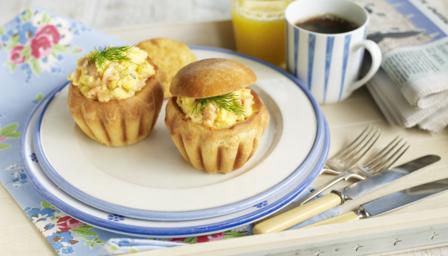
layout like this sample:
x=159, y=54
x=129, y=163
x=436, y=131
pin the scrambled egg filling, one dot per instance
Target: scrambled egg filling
x=214, y=115
x=113, y=79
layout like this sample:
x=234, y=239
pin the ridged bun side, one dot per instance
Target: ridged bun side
x=211, y=77
x=117, y=122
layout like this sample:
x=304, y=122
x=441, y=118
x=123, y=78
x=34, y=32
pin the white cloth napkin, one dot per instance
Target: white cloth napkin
x=420, y=72
x=436, y=122
x=427, y=91
x=397, y=109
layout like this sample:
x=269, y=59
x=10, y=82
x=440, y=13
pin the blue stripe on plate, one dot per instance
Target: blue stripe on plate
x=347, y=40
x=328, y=58
x=296, y=50
x=311, y=46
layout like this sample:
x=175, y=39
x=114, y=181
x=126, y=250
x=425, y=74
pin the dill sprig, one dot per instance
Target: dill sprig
x=100, y=56
x=229, y=102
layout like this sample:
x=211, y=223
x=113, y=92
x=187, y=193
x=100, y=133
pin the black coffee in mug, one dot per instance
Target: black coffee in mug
x=327, y=24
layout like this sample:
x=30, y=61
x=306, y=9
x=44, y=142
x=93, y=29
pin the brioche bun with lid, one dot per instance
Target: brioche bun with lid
x=211, y=77
x=205, y=147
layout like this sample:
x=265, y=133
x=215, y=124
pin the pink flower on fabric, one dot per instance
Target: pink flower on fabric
x=40, y=46
x=49, y=31
x=66, y=223
x=213, y=237
x=43, y=40
x=217, y=236
x=177, y=239
x=16, y=56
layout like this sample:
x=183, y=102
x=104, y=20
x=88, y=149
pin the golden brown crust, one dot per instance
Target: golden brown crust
x=216, y=150
x=117, y=122
x=211, y=77
x=170, y=56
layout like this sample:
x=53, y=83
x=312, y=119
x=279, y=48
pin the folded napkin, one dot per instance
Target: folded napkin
x=397, y=109
x=436, y=122
x=420, y=73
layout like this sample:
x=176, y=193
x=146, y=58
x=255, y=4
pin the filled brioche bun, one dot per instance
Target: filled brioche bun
x=215, y=150
x=117, y=122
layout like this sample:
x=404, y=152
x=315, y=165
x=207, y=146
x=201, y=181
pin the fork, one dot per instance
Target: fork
x=379, y=162
x=382, y=160
x=348, y=157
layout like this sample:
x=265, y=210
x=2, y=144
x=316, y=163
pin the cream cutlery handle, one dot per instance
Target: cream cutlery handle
x=296, y=215
x=346, y=217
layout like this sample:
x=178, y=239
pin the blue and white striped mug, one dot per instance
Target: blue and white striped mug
x=329, y=64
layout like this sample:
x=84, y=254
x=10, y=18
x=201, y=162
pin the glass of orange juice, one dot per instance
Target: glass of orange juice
x=259, y=28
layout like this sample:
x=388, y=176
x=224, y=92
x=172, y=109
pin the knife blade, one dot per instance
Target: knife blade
x=301, y=213
x=390, y=202
x=362, y=187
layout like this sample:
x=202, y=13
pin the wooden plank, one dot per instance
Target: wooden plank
x=385, y=229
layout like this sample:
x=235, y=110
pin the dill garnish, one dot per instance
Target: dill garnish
x=229, y=102
x=99, y=57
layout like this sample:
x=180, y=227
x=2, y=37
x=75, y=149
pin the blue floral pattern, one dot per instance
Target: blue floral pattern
x=37, y=42
x=33, y=158
x=62, y=231
x=115, y=217
x=261, y=204
x=19, y=178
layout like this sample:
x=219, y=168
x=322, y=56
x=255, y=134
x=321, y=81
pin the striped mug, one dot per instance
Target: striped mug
x=329, y=64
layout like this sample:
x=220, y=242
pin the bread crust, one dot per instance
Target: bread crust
x=170, y=56
x=117, y=122
x=211, y=77
x=216, y=150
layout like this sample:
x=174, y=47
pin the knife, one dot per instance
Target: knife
x=389, y=203
x=301, y=213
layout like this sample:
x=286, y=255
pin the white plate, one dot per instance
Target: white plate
x=151, y=181
x=145, y=228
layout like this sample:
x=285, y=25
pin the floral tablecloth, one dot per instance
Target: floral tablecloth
x=37, y=52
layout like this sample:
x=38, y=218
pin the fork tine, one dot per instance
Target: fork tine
x=383, y=152
x=352, y=145
x=362, y=151
x=394, y=149
x=360, y=145
x=393, y=158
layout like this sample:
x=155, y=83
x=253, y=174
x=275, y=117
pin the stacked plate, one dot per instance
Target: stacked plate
x=148, y=190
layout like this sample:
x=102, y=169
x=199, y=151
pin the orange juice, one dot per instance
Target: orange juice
x=260, y=28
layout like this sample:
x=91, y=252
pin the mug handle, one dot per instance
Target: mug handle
x=375, y=52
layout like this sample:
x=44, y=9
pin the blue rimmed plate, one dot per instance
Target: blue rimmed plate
x=150, y=181
x=145, y=228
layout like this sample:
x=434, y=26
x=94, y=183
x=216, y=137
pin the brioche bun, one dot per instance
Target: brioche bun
x=169, y=56
x=216, y=150
x=211, y=77
x=117, y=122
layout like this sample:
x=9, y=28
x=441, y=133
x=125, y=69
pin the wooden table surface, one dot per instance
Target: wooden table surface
x=18, y=236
